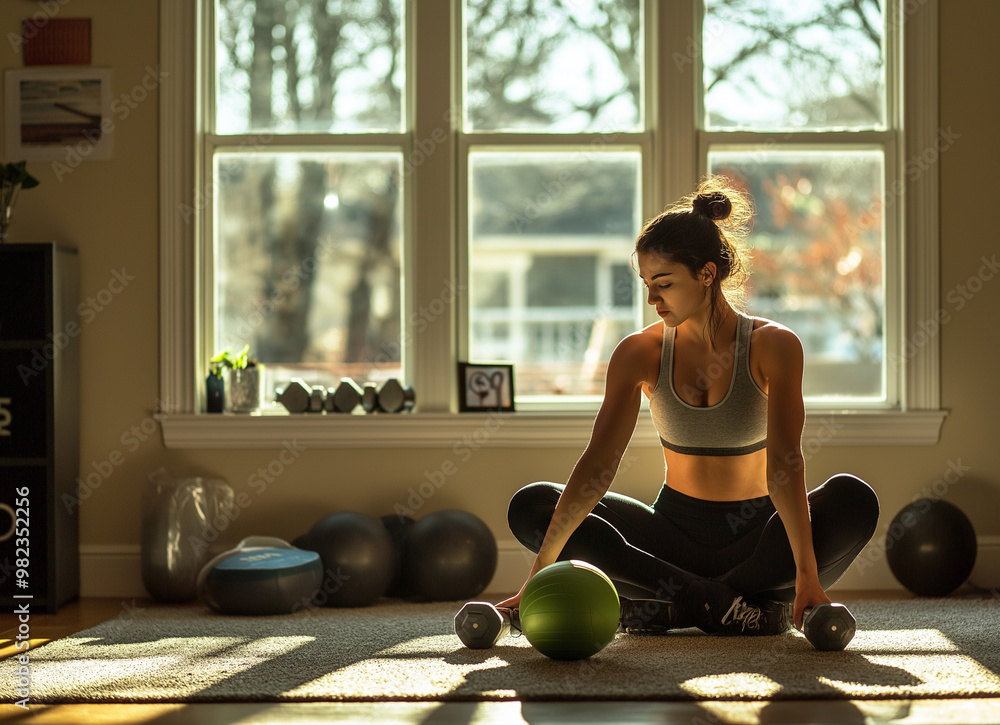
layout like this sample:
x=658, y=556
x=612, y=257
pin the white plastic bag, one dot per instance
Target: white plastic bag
x=179, y=521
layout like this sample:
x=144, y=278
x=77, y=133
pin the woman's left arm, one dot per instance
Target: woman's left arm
x=781, y=362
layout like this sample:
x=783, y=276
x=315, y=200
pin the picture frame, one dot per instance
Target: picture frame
x=485, y=386
x=58, y=114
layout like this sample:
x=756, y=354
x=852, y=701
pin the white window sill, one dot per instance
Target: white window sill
x=508, y=430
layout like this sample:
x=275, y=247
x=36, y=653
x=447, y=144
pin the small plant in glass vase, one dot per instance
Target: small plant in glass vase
x=215, y=388
x=13, y=178
x=242, y=379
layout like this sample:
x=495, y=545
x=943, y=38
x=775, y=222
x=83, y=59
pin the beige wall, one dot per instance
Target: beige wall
x=108, y=210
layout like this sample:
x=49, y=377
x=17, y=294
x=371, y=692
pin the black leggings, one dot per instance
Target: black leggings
x=654, y=551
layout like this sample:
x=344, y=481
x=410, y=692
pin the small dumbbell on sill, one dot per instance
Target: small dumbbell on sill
x=299, y=397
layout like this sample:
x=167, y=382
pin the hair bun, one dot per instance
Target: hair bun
x=713, y=204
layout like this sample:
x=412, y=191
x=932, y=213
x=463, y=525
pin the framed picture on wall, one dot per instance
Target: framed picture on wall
x=58, y=114
x=485, y=386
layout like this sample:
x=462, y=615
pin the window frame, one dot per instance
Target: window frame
x=213, y=143
x=674, y=161
x=883, y=141
x=641, y=142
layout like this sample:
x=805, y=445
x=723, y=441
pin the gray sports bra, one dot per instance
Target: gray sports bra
x=736, y=425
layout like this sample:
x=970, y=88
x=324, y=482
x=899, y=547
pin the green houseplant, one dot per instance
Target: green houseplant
x=242, y=379
x=13, y=178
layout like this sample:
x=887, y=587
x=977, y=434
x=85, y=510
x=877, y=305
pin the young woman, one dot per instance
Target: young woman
x=733, y=543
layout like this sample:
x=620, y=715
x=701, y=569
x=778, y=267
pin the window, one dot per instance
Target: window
x=555, y=226
x=384, y=190
x=819, y=251
x=797, y=108
x=554, y=186
x=306, y=156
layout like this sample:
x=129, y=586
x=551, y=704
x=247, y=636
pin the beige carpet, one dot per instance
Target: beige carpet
x=405, y=651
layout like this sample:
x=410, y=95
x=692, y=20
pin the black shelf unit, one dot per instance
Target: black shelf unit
x=39, y=426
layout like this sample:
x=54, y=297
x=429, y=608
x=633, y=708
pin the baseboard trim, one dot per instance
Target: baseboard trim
x=115, y=570
x=111, y=570
x=515, y=563
x=986, y=573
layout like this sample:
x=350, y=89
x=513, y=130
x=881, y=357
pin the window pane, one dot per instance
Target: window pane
x=794, y=64
x=819, y=257
x=551, y=288
x=307, y=263
x=291, y=66
x=551, y=66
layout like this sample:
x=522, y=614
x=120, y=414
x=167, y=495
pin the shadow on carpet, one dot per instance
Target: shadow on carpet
x=401, y=651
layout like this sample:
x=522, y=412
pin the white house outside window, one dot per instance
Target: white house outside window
x=568, y=124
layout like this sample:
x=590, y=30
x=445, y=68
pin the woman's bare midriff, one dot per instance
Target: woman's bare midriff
x=717, y=478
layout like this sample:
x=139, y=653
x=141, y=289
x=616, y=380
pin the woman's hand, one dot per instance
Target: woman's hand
x=515, y=601
x=512, y=603
x=808, y=593
x=634, y=362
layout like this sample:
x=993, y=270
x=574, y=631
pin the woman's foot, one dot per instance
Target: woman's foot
x=647, y=616
x=712, y=607
x=717, y=608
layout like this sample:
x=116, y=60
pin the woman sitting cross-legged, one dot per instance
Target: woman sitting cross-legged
x=733, y=543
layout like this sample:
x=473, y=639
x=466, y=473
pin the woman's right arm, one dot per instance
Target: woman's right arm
x=593, y=473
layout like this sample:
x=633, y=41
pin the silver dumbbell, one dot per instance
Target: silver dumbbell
x=369, y=398
x=345, y=398
x=316, y=399
x=295, y=396
x=394, y=398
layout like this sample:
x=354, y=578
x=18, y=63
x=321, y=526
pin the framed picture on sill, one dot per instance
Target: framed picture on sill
x=58, y=114
x=485, y=386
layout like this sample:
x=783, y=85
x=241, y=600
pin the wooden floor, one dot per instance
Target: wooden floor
x=79, y=615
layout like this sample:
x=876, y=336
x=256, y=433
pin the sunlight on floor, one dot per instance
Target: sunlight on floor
x=721, y=684
x=433, y=645
x=191, y=652
x=902, y=640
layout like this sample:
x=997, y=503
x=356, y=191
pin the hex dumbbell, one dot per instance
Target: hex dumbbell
x=369, y=398
x=480, y=624
x=829, y=627
x=295, y=396
x=394, y=398
x=345, y=398
x=317, y=399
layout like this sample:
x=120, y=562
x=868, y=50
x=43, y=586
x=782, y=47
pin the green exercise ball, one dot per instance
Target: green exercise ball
x=569, y=610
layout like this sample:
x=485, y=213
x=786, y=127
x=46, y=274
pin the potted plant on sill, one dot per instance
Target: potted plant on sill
x=215, y=388
x=13, y=178
x=242, y=378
